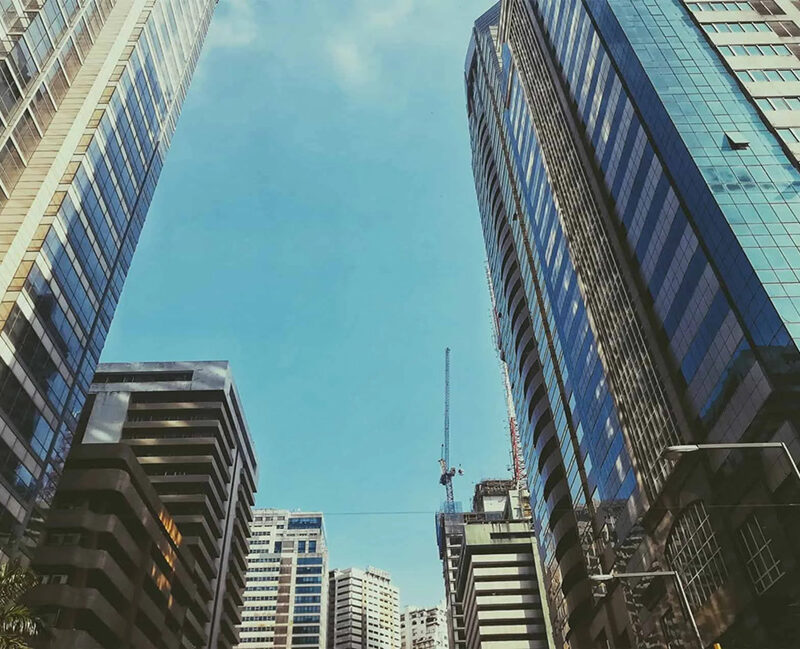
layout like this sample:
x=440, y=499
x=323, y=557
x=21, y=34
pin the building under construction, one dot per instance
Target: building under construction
x=493, y=579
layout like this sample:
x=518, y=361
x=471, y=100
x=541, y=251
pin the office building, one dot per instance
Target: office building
x=90, y=92
x=363, y=610
x=494, y=584
x=286, y=596
x=637, y=181
x=424, y=628
x=146, y=543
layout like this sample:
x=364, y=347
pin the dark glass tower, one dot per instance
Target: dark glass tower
x=90, y=92
x=638, y=191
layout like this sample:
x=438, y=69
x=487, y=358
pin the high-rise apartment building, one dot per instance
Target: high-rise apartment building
x=635, y=165
x=286, y=596
x=363, y=610
x=90, y=92
x=146, y=542
x=424, y=628
x=496, y=596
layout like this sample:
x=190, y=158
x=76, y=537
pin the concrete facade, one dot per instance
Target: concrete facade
x=363, y=610
x=286, y=595
x=151, y=520
x=424, y=628
x=493, y=574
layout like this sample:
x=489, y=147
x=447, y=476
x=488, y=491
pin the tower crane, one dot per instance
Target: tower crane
x=517, y=463
x=448, y=472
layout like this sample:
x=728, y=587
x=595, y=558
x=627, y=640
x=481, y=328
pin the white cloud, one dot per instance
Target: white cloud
x=351, y=64
x=370, y=49
x=234, y=25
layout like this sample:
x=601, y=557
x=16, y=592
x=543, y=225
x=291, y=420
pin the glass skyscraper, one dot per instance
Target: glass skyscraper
x=90, y=91
x=637, y=176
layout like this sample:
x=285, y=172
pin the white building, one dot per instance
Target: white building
x=364, y=610
x=286, y=595
x=424, y=628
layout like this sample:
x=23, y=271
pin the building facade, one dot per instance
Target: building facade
x=495, y=588
x=363, y=610
x=637, y=183
x=424, y=628
x=90, y=92
x=146, y=543
x=122, y=577
x=286, y=597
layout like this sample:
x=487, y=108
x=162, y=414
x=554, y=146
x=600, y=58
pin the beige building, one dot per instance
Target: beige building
x=286, y=594
x=424, y=628
x=496, y=595
x=363, y=611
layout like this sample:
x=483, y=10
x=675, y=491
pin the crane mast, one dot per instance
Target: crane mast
x=517, y=463
x=448, y=472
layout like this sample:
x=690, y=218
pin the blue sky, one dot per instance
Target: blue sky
x=316, y=225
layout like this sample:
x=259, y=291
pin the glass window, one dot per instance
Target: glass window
x=693, y=552
x=40, y=44
x=22, y=62
x=43, y=108
x=11, y=166
x=9, y=92
x=762, y=566
x=27, y=135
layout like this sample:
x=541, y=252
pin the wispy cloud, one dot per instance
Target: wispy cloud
x=366, y=48
x=234, y=25
x=350, y=62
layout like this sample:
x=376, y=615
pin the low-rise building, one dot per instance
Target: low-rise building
x=424, y=628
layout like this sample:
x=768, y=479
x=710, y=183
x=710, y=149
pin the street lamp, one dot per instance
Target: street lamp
x=673, y=452
x=660, y=573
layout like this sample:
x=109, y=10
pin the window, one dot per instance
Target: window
x=693, y=552
x=720, y=6
x=54, y=579
x=785, y=28
x=307, y=522
x=736, y=27
x=778, y=103
x=762, y=566
x=767, y=7
x=788, y=74
x=789, y=135
x=755, y=50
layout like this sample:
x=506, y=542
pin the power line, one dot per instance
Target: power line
x=428, y=512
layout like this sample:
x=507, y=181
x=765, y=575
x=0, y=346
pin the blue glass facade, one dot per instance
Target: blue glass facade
x=90, y=93
x=696, y=203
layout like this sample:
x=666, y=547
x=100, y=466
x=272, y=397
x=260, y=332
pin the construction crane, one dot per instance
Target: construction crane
x=448, y=472
x=517, y=463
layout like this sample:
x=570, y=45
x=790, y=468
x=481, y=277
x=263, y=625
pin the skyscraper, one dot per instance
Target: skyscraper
x=363, y=610
x=90, y=92
x=424, y=628
x=286, y=596
x=636, y=171
x=147, y=538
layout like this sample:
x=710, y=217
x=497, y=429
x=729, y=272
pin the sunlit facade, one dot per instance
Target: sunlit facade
x=638, y=190
x=286, y=593
x=145, y=543
x=90, y=91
